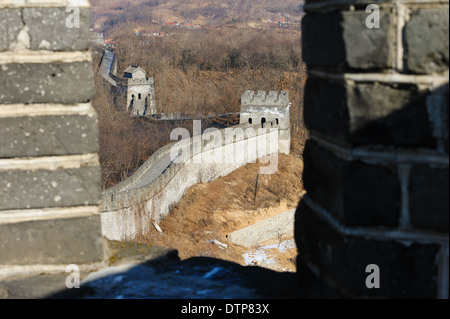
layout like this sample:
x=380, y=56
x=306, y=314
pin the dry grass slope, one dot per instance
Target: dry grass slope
x=211, y=211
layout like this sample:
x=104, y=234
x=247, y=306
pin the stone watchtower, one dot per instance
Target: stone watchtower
x=268, y=110
x=141, y=92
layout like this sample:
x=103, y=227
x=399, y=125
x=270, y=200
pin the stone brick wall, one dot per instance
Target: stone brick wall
x=49, y=168
x=377, y=164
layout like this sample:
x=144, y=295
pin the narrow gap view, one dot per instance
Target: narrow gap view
x=192, y=62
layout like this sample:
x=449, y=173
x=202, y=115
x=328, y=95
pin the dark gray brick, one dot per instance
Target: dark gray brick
x=426, y=45
x=48, y=30
x=42, y=188
x=322, y=42
x=406, y=271
x=47, y=83
x=342, y=40
x=368, y=48
x=325, y=108
x=57, y=241
x=428, y=197
x=365, y=114
x=10, y=26
x=358, y=194
x=438, y=104
x=48, y=135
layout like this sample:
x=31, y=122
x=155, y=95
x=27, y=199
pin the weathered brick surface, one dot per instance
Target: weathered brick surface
x=42, y=188
x=358, y=194
x=10, y=26
x=406, y=271
x=445, y=116
x=426, y=50
x=368, y=48
x=326, y=49
x=48, y=135
x=345, y=40
x=315, y=287
x=362, y=114
x=33, y=72
x=48, y=30
x=438, y=104
x=351, y=101
x=46, y=83
x=428, y=197
x=57, y=241
x=325, y=108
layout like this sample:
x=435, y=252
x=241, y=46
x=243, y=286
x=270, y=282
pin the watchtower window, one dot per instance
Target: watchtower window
x=250, y=120
x=277, y=121
x=263, y=121
x=139, y=96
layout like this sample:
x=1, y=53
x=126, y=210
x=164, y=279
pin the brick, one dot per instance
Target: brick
x=426, y=51
x=325, y=108
x=57, y=241
x=315, y=287
x=445, y=119
x=10, y=27
x=358, y=194
x=48, y=135
x=326, y=49
x=366, y=114
x=47, y=29
x=437, y=103
x=406, y=270
x=345, y=41
x=42, y=188
x=368, y=48
x=46, y=83
x=428, y=197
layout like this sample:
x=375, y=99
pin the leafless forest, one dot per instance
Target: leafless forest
x=197, y=71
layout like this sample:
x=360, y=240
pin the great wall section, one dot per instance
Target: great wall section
x=142, y=200
x=376, y=166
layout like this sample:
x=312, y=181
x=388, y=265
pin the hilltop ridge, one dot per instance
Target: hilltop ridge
x=198, y=12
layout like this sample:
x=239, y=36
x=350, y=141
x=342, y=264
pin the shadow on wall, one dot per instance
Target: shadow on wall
x=376, y=115
x=386, y=203
x=197, y=278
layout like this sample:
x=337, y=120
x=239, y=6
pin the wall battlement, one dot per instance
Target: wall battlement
x=262, y=98
x=141, y=81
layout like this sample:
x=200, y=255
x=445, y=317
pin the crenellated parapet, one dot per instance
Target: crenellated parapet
x=262, y=98
x=141, y=81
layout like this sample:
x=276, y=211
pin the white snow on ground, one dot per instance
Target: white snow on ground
x=266, y=255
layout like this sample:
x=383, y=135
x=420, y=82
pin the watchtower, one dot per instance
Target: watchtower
x=141, y=92
x=270, y=110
